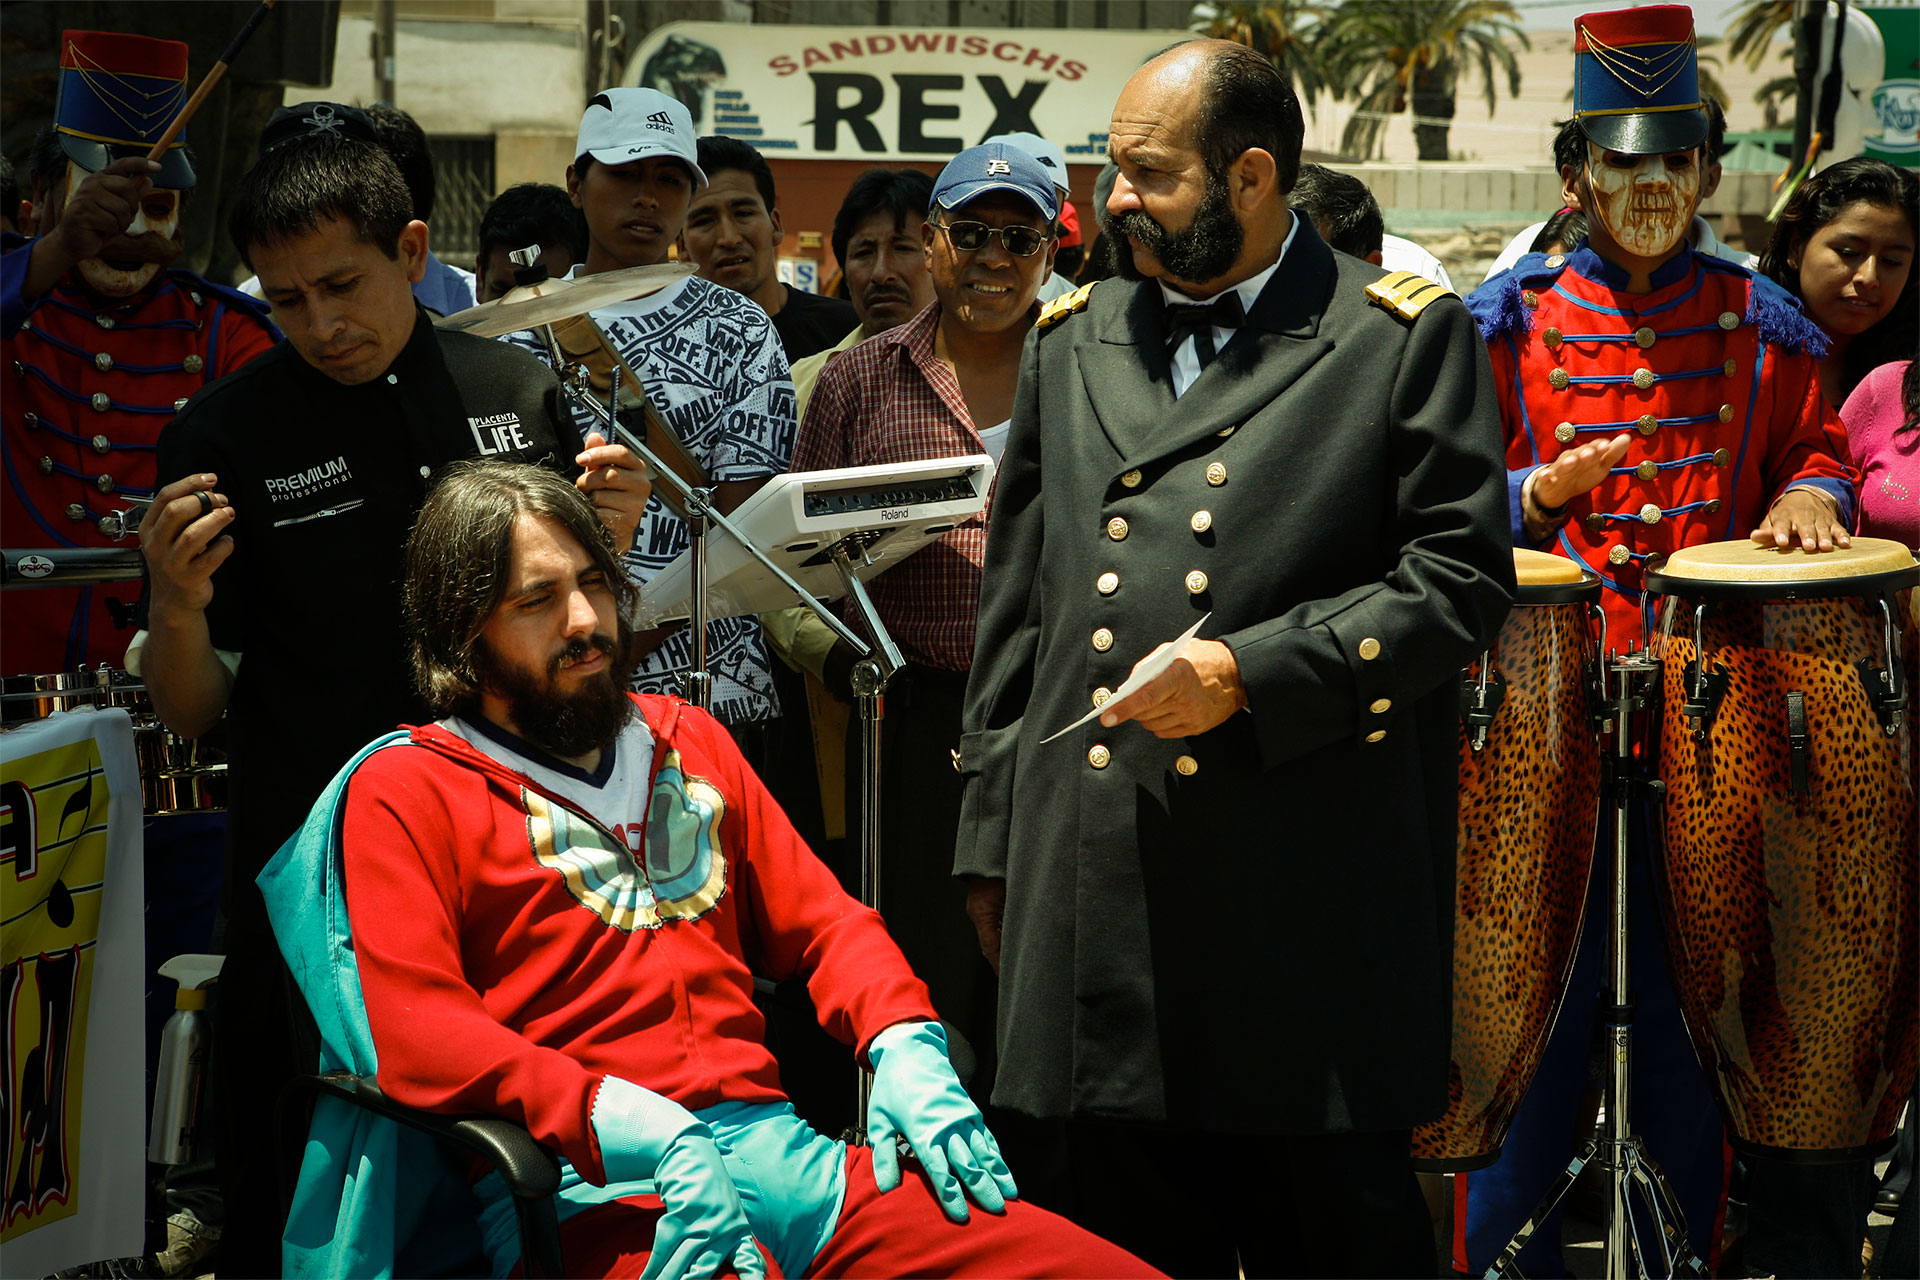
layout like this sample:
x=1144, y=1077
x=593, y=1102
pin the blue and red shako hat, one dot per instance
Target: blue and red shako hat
x=1636, y=80
x=118, y=94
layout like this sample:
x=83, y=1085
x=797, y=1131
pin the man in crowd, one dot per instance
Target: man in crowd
x=1341, y=209
x=610, y=1011
x=1050, y=158
x=733, y=228
x=273, y=553
x=939, y=386
x=708, y=359
x=876, y=240
x=103, y=338
x=1688, y=410
x=1253, y=437
x=526, y=214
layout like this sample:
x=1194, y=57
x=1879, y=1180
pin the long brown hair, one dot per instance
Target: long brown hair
x=459, y=564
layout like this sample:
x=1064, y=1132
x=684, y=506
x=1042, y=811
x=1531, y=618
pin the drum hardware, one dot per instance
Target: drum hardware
x=1480, y=699
x=1663, y=1249
x=1886, y=686
x=125, y=522
x=1799, y=744
x=70, y=566
x=1704, y=688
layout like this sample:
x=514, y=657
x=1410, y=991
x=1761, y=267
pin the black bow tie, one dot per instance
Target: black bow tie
x=1199, y=322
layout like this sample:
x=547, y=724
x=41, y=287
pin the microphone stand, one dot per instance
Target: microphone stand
x=878, y=662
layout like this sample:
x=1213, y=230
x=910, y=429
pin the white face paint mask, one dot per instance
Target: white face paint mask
x=1647, y=208
x=112, y=281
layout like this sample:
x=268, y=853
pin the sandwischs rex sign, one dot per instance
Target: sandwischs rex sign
x=884, y=92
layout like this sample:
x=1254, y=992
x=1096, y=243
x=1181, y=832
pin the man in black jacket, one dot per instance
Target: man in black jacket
x=1223, y=908
x=274, y=551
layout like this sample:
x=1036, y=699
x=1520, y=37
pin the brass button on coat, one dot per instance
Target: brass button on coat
x=103, y=362
x=103, y=482
x=1729, y=321
x=1202, y=521
x=1596, y=521
x=1196, y=582
x=1099, y=757
x=76, y=512
x=1550, y=336
x=101, y=444
x=1643, y=378
x=1117, y=529
x=1730, y=368
x=1645, y=337
x=1557, y=261
x=193, y=364
x=1103, y=639
x=1369, y=649
x=1216, y=474
x=46, y=465
x=1131, y=479
x=1377, y=735
x=101, y=402
x=1650, y=514
x=1107, y=583
x=1647, y=424
x=1565, y=433
x=1647, y=470
x=1721, y=457
x=1558, y=379
x=1101, y=695
x=1619, y=555
x=1529, y=299
x=1380, y=706
x=1726, y=413
x=1186, y=766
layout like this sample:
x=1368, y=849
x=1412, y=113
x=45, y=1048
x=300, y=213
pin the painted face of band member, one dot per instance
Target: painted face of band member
x=1646, y=202
x=129, y=262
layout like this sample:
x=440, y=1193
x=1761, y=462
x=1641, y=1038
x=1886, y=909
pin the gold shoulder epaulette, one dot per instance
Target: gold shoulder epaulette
x=1404, y=293
x=1063, y=306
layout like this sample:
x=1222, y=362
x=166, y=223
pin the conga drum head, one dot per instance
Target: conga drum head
x=1790, y=835
x=1529, y=802
x=1748, y=571
x=1544, y=578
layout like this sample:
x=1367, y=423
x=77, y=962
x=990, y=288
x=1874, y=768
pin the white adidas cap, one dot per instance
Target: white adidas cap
x=1048, y=156
x=622, y=125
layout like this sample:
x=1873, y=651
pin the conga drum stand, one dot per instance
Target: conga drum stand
x=1618, y=1151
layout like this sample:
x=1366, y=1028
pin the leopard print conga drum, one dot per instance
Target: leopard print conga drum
x=1529, y=801
x=1790, y=835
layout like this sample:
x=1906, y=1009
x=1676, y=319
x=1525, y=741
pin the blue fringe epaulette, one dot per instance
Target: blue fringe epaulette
x=1495, y=305
x=1773, y=311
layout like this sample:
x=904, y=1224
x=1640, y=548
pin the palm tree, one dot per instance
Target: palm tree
x=1753, y=26
x=1402, y=54
x=1282, y=30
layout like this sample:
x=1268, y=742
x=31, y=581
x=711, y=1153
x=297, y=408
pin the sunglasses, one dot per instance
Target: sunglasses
x=971, y=237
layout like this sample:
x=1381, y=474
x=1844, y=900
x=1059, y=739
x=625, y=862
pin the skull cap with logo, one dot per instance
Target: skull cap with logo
x=1050, y=157
x=316, y=119
x=995, y=166
x=117, y=95
x=623, y=125
x=1636, y=80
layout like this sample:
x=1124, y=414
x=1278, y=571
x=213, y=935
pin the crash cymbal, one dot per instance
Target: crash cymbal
x=552, y=300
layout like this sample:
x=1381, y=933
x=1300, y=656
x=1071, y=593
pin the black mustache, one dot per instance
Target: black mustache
x=151, y=247
x=577, y=649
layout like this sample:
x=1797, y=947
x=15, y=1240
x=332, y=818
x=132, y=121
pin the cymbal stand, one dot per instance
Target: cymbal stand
x=1661, y=1249
x=701, y=517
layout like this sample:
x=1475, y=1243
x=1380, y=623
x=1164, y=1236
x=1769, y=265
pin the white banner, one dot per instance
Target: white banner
x=73, y=1089
x=885, y=93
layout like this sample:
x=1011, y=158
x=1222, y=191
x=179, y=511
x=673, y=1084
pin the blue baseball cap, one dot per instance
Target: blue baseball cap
x=995, y=166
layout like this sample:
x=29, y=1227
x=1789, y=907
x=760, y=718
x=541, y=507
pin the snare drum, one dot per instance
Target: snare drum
x=1791, y=835
x=177, y=775
x=1529, y=802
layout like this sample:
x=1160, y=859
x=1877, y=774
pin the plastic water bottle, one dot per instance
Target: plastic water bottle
x=183, y=1060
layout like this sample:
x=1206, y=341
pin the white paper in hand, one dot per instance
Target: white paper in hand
x=1143, y=673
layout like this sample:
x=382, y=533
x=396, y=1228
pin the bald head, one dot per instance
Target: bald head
x=1207, y=138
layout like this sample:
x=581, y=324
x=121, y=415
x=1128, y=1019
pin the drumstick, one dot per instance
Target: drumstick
x=211, y=79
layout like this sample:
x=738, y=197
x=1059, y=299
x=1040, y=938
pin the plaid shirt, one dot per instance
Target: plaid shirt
x=890, y=399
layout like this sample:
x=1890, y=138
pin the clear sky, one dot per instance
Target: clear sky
x=1709, y=16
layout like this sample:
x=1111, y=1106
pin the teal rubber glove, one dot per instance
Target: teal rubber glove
x=916, y=1097
x=645, y=1136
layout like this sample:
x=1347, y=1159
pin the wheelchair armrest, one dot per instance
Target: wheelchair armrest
x=530, y=1171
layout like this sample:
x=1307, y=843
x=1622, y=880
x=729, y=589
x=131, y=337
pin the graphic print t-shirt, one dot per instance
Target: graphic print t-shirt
x=716, y=374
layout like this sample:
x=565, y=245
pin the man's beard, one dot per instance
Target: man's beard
x=1205, y=250
x=565, y=725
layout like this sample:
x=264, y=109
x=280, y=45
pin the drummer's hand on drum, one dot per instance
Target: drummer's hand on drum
x=1573, y=473
x=184, y=539
x=1201, y=689
x=616, y=483
x=1804, y=515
